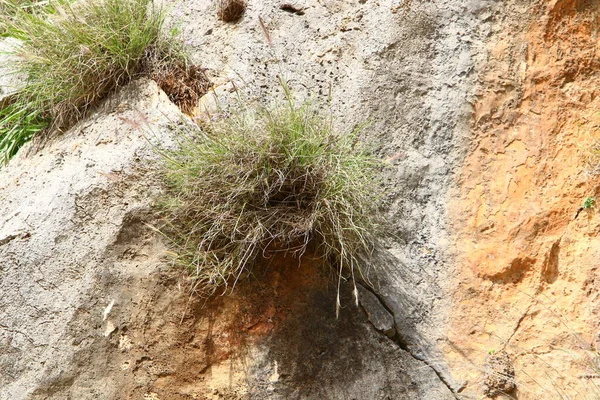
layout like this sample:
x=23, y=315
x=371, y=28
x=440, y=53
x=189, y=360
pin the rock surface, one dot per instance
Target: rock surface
x=485, y=111
x=90, y=309
x=526, y=251
x=378, y=316
x=409, y=69
x=71, y=243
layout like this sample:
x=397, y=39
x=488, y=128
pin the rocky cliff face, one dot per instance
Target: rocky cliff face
x=485, y=110
x=526, y=250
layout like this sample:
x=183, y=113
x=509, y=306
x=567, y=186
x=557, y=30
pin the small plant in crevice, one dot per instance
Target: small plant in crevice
x=589, y=203
x=259, y=181
x=73, y=55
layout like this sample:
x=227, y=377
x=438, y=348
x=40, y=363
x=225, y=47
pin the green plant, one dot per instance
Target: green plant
x=10, y=8
x=589, y=203
x=260, y=181
x=72, y=58
x=18, y=124
x=81, y=53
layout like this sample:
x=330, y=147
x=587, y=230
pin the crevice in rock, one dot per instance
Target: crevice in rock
x=404, y=344
x=12, y=237
x=518, y=325
x=7, y=239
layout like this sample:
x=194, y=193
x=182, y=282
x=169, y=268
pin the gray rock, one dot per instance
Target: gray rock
x=74, y=236
x=89, y=310
x=381, y=319
x=63, y=214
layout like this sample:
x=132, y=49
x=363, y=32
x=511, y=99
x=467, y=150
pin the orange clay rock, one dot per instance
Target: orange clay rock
x=526, y=254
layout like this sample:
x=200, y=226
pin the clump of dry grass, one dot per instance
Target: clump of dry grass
x=261, y=181
x=231, y=10
x=183, y=83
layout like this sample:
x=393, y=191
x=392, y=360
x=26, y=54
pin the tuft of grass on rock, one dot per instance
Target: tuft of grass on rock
x=73, y=57
x=78, y=55
x=260, y=181
x=589, y=203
